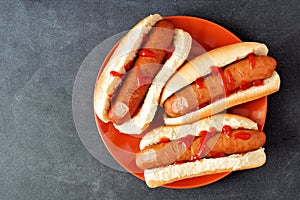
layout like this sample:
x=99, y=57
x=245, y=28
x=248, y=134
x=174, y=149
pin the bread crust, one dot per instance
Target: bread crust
x=160, y=176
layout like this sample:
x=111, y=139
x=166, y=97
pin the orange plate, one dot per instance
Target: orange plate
x=123, y=147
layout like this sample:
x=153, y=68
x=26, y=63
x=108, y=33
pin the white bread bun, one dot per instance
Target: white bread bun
x=176, y=132
x=270, y=86
x=160, y=176
x=182, y=42
x=201, y=65
x=125, y=52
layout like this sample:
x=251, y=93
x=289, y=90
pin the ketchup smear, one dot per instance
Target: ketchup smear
x=128, y=66
x=227, y=130
x=147, y=53
x=258, y=82
x=245, y=85
x=199, y=83
x=242, y=136
x=164, y=140
x=116, y=74
x=218, y=71
x=216, y=154
x=230, y=80
x=206, y=135
x=251, y=60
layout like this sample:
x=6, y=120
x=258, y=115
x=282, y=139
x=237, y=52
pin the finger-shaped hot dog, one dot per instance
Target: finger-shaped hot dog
x=194, y=148
x=127, y=91
x=138, y=80
x=239, y=75
x=220, y=143
x=217, y=80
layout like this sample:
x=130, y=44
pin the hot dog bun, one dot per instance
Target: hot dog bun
x=159, y=176
x=270, y=86
x=125, y=52
x=182, y=43
x=216, y=121
x=202, y=65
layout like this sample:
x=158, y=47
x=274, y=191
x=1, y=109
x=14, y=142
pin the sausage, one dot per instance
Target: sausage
x=235, y=76
x=220, y=143
x=136, y=83
x=160, y=154
x=163, y=154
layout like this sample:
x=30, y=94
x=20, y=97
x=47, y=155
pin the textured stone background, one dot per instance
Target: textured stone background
x=43, y=43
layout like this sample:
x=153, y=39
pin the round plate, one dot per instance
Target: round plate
x=124, y=147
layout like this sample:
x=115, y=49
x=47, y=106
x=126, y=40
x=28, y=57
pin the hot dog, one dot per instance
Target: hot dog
x=236, y=76
x=137, y=82
x=127, y=92
x=223, y=142
x=219, y=79
x=188, y=148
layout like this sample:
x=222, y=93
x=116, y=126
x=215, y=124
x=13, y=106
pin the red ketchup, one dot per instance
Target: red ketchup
x=187, y=140
x=216, y=154
x=227, y=130
x=128, y=66
x=242, y=136
x=202, y=105
x=142, y=80
x=251, y=60
x=194, y=158
x=245, y=85
x=116, y=74
x=147, y=53
x=202, y=133
x=164, y=140
x=230, y=80
x=199, y=83
x=218, y=71
x=179, y=162
x=205, y=136
x=258, y=83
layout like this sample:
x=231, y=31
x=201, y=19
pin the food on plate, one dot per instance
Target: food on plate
x=217, y=80
x=127, y=92
x=220, y=143
x=155, y=66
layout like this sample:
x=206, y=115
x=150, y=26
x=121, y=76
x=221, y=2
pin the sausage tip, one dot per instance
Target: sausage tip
x=120, y=111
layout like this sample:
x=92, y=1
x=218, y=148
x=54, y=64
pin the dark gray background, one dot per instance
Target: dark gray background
x=42, y=45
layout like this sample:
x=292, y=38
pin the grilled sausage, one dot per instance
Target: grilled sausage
x=237, y=75
x=191, y=147
x=146, y=66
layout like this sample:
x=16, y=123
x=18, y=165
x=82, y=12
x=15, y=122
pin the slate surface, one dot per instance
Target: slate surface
x=43, y=44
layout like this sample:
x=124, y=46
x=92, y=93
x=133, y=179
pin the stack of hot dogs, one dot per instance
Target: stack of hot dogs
x=149, y=68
